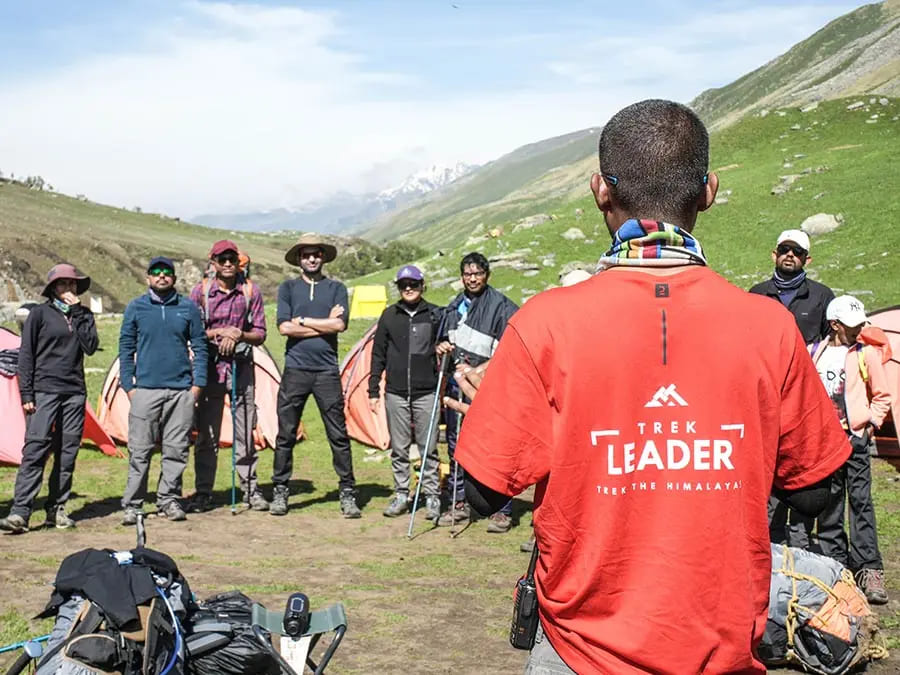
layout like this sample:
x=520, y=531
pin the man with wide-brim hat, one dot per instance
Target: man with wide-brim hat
x=312, y=310
x=55, y=337
x=310, y=239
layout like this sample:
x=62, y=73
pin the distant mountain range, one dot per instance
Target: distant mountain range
x=343, y=211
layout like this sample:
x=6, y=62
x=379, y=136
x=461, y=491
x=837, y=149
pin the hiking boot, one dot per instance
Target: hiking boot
x=172, y=510
x=453, y=515
x=349, y=509
x=499, y=523
x=432, y=507
x=200, y=503
x=60, y=518
x=279, y=504
x=257, y=502
x=527, y=546
x=14, y=524
x=397, y=506
x=871, y=583
x=129, y=517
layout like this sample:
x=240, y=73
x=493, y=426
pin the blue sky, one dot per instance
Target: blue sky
x=185, y=106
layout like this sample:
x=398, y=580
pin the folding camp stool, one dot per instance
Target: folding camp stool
x=331, y=620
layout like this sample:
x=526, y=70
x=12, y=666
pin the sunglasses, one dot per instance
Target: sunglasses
x=474, y=275
x=315, y=253
x=407, y=285
x=783, y=249
x=226, y=258
x=160, y=271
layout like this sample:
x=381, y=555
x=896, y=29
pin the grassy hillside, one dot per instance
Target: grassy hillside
x=40, y=228
x=858, y=53
x=844, y=160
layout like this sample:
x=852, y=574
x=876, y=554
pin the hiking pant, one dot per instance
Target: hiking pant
x=855, y=480
x=405, y=418
x=55, y=427
x=325, y=386
x=543, y=659
x=453, y=420
x=164, y=415
x=208, y=422
x=788, y=526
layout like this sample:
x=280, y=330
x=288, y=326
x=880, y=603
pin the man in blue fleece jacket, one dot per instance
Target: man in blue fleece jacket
x=161, y=328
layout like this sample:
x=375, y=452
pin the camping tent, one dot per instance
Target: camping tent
x=888, y=437
x=13, y=418
x=114, y=405
x=362, y=424
x=368, y=302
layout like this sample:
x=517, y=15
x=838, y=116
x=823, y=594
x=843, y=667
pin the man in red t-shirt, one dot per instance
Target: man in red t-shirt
x=654, y=412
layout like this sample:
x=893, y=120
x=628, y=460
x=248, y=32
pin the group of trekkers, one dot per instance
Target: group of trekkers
x=180, y=356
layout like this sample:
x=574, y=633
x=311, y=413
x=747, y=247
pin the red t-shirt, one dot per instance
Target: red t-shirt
x=653, y=413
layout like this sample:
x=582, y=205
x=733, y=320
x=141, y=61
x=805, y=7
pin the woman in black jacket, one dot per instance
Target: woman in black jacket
x=55, y=338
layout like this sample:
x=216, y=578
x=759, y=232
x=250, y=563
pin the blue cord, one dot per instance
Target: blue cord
x=178, y=640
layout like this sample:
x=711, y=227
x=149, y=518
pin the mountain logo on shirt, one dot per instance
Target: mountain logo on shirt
x=666, y=396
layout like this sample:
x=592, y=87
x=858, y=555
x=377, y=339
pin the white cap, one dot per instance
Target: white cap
x=799, y=237
x=846, y=309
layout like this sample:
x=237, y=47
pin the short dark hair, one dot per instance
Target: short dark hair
x=474, y=258
x=654, y=156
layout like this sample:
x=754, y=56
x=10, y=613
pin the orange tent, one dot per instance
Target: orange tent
x=114, y=405
x=13, y=418
x=887, y=438
x=362, y=424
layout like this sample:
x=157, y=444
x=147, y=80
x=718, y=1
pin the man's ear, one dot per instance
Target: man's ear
x=601, y=193
x=807, y=261
x=774, y=256
x=708, y=196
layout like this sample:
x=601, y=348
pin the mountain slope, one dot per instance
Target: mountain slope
x=488, y=185
x=858, y=53
x=840, y=161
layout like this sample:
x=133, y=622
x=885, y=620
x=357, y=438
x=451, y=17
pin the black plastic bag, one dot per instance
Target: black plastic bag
x=243, y=654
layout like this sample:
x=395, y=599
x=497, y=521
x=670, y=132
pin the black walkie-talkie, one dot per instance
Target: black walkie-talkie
x=525, y=610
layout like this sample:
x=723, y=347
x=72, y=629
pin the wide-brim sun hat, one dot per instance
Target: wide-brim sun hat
x=309, y=240
x=66, y=271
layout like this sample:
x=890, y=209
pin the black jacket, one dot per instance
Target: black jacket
x=477, y=336
x=404, y=347
x=51, y=356
x=808, y=306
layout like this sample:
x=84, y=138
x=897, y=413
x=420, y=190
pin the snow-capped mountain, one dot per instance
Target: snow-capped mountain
x=426, y=180
x=342, y=212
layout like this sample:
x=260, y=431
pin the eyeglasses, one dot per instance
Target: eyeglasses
x=160, y=271
x=226, y=258
x=407, y=285
x=783, y=249
x=314, y=253
x=474, y=275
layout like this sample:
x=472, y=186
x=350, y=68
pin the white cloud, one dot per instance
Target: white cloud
x=234, y=107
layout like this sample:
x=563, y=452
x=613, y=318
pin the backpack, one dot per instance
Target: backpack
x=117, y=612
x=818, y=618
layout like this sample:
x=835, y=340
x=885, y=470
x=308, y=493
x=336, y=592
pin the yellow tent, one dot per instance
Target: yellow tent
x=368, y=302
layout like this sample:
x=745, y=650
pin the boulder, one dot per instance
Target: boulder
x=810, y=107
x=822, y=223
x=577, y=265
x=884, y=101
x=572, y=234
x=856, y=105
x=531, y=221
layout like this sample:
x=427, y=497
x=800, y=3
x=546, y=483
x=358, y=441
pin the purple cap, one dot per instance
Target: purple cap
x=410, y=272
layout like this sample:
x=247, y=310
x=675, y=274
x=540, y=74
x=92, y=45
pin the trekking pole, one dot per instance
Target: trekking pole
x=453, y=531
x=432, y=425
x=234, y=373
x=141, y=532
